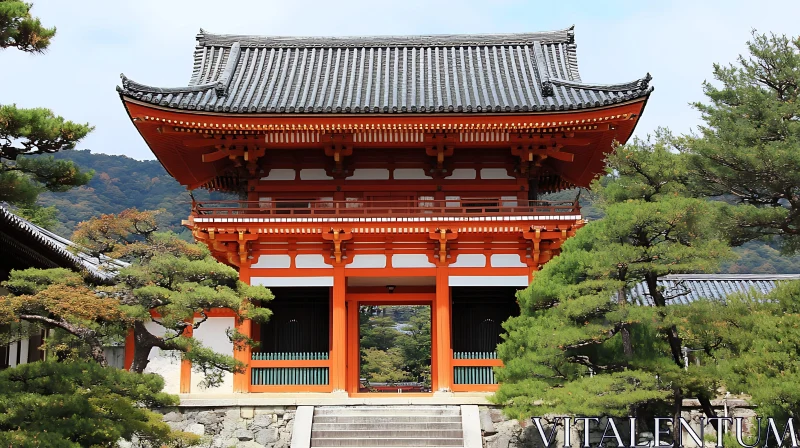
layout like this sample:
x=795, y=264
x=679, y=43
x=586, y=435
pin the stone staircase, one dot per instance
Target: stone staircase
x=387, y=426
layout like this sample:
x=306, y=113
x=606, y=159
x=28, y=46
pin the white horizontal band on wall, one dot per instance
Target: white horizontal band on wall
x=291, y=281
x=488, y=280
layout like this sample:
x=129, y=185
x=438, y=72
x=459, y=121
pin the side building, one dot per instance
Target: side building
x=25, y=245
x=382, y=170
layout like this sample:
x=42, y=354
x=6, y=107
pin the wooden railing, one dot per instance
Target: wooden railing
x=290, y=372
x=474, y=371
x=464, y=207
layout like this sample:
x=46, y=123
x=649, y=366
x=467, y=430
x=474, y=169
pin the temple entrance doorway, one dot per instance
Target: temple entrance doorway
x=391, y=338
x=394, y=348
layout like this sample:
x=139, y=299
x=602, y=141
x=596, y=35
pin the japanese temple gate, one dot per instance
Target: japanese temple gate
x=389, y=169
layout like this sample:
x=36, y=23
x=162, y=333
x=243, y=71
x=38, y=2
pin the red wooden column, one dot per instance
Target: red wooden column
x=338, y=373
x=186, y=365
x=443, y=352
x=129, y=348
x=241, y=381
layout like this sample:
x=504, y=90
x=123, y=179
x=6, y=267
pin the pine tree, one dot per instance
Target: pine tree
x=167, y=277
x=748, y=151
x=579, y=347
x=33, y=132
x=18, y=29
x=77, y=404
x=751, y=341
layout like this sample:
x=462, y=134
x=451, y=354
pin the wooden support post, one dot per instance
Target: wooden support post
x=353, y=360
x=130, y=346
x=444, y=352
x=338, y=375
x=186, y=365
x=243, y=353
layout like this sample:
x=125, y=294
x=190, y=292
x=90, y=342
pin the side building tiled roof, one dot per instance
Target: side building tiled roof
x=526, y=72
x=687, y=288
x=46, y=249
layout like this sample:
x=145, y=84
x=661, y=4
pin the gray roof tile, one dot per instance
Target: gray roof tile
x=524, y=72
x=58, y=250
x=687, y=288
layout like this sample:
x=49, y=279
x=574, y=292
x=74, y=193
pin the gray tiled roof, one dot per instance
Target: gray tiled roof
x=688, y=288
x=58, y=250
x=396, y=74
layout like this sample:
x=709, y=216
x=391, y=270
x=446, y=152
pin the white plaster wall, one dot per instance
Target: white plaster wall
x=115, y=356
x=470, y=261
x=411, y=261
x=273, y=261
x=314, y=174
x=368, y=261
x=280, y=174
x=308, y=261
x=410, y=173
x=212, y=333
x=166, y=363
x=495, y=173
x=369, y=174
x=274, y=282
x=12, y=354
x=506, y=261
x=463, y=173
x=24, y=348
x=485, y=280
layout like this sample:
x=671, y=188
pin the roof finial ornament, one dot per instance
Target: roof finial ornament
x=646, y=81
x=547, y=88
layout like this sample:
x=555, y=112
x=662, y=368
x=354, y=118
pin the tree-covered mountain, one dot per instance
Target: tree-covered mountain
x=121, y=182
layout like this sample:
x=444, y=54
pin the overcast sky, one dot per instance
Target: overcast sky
x=152, y=41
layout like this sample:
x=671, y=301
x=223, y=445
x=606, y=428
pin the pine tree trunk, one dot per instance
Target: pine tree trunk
x=675, y=341
x=676, y=415
x=143, y=343
x=627, y=344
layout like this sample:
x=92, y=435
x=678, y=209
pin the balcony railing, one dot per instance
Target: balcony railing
x=463, y=207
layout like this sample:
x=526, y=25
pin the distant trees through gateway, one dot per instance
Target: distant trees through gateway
x=395, y=348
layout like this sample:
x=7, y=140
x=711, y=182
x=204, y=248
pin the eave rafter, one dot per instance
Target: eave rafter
x=221, y=152
x=221, y=124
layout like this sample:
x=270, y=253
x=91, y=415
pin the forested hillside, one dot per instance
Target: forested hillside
x=121, y=182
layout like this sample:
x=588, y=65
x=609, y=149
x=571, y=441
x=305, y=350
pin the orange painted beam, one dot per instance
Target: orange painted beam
x=147, y=113
x=477, y=362
x=359, y=291
x=391, y=298
x=475, y=387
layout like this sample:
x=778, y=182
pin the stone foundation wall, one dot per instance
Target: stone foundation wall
x=501, y=432
x=240, y=426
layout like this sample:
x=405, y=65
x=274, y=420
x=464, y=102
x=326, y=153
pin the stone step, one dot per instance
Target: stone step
x=393, y=442
x=386, y=433
x=409, y=418
x=389, y=425
x=388, y=410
